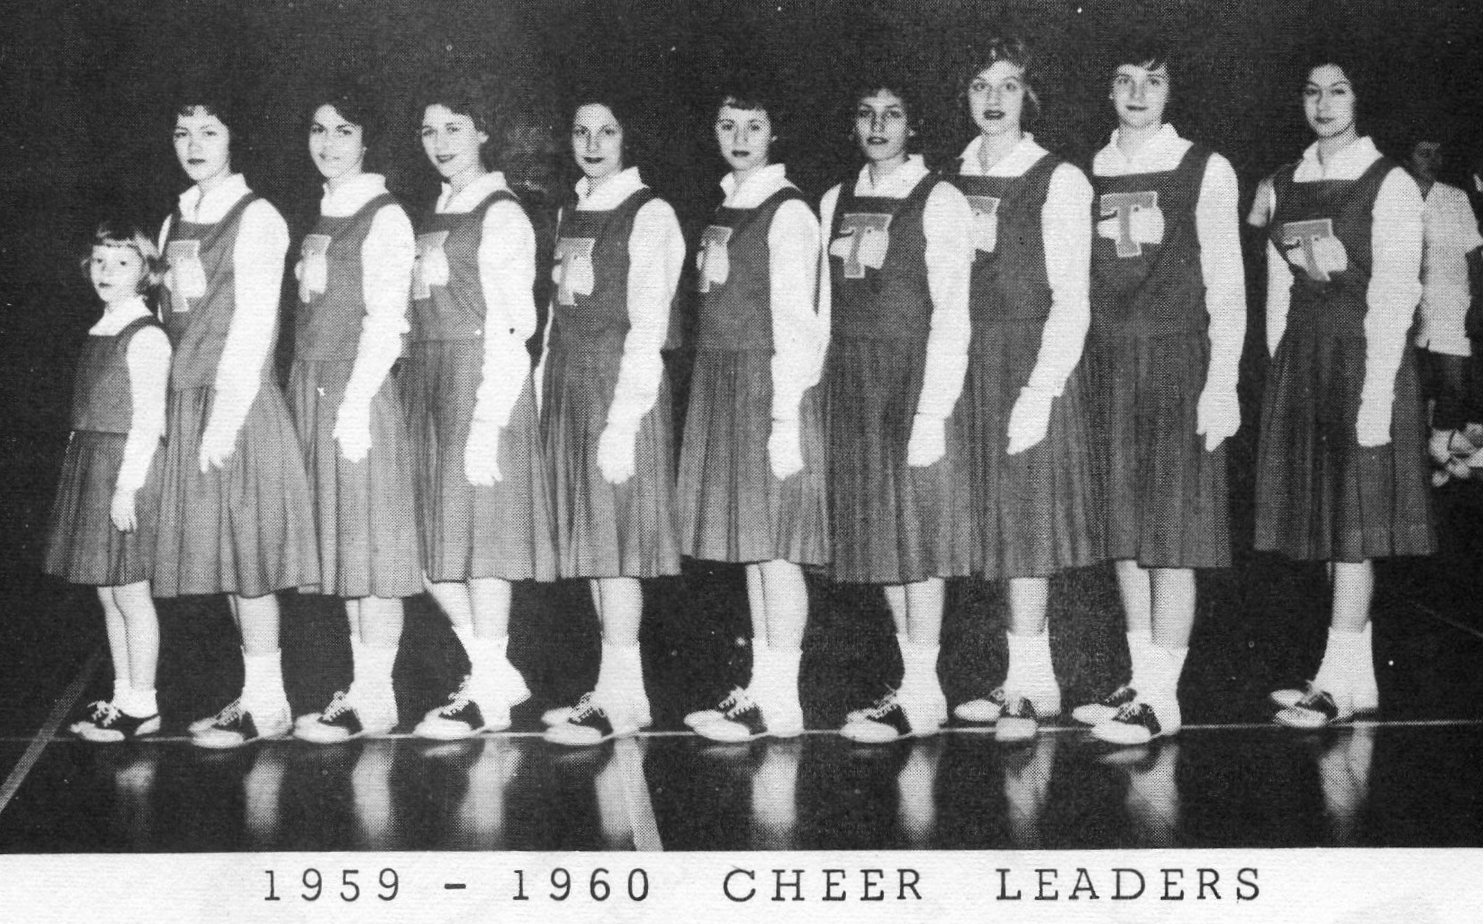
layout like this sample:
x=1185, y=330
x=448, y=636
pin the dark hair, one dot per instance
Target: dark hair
x=751, y=98
x=906, y=91
x=470, y=96
x=356, y=105
x=213, y=103
x=1145, y=52
x=1012, y=50
x=631, y=116
x=112, y=233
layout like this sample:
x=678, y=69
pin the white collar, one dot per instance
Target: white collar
x=1022, y=157
x=118, y=315
x=209, y=207
x=1160, y=152
x=609, y=194
x=1346, y=164
x=351, y=195
x=898, y=184
x=475, y=191
x=756, y=188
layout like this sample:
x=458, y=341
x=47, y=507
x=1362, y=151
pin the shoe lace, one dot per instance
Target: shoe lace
x=741, y=701
x=880, y=707
x=585, y=707
x=457, y=699
x=729, y=703
x=1130, y=711
x=105, y=713
x=1117, y=697
x=339, y=704
x=231, y=712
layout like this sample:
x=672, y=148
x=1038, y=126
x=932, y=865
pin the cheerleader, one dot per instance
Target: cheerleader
x=1450, y=240
x=1022, y=411
x=605, y=413
x=481, y=486
x=1168, y=319
x=102, y=527
x=900, y=247
x=235, y=511
x=1341, y=472
x=751, y=478
x=354, y=275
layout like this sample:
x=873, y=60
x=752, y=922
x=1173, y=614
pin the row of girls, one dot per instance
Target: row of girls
x=1001, y=372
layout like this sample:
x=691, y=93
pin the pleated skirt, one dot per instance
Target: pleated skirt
x=502, y=530
x=732, y=507
x=602, y=529
x=1034, y=513
x=1163, y=496
x=364, y=512
x=1319, y=494
x=246, y=528
x=890, y=523
x=82, y=544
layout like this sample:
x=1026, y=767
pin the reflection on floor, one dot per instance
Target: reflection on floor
x=1369, y=784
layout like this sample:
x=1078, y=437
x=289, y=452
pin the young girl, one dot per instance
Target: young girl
x=235, y=515
x=900, y=248
x=1168, y=318
x=751, y=467
x=482, y=497
x=102, y=529
x=1341, y=475
x=1022, y=412
x=354, y=275
x=606, y=407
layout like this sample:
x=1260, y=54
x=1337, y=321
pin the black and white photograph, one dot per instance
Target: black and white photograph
x=898, y=460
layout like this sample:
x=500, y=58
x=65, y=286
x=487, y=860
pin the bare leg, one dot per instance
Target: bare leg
x=489, y=600
x=259, y=620
x=782, y=587
x=143, y=624
x=757, y=605
x=1027, y=605
x=1135, y=588
x=1354, y=586
x=1173, y=594
x=452, y=597
x=118, y=637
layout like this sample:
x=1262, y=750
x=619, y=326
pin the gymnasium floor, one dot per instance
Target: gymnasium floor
x=1231, y=779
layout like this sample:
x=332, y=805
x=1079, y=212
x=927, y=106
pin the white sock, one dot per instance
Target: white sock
x=485, y=655
x=1340, y=658
x=262, y=683
x=1138, y=645
x=1364, y=666
x=1030, y=670
x=785, y=678
x=357, y=663
x=763, y=670
x=120, y=691
x=137, y=702
x=620, y=678
x=1164, y=668
x=373, y=673
x=919, y=675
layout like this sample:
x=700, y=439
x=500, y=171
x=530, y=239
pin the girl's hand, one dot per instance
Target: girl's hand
x=1372, y=426
x=481, y=454
x=784, y=449
x=217, y=445
x=1217, y=417
x=1028, y=419
x=121, y=511
x=928, y=441
x=615, y=451
x=353, y=430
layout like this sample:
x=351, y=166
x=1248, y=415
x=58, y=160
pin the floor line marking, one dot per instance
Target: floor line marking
x=1461, y=627
x=636, y=797
x=48, y=731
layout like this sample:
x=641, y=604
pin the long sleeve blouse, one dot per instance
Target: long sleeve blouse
x=148, y=360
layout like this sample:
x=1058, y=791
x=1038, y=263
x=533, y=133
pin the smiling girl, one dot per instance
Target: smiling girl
x=1340, y=472
x=1023, y=412
x=354, y=277
x=102, y=528
x=752, y=468
x=235, y=516
x=895, y=287
x=605, y=410
x=1168, y=318
x=484, y=509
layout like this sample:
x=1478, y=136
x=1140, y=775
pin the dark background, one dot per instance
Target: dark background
x=85, y=90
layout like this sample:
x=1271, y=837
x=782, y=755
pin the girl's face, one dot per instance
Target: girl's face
x=597, y=141
x=115, y=271
x=996, y=98
x=1139, y=95
x=881, y=127
x=1328, y=101
x=744, y=135
x=203, y=147
x=451, y=141
x=337, y=146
